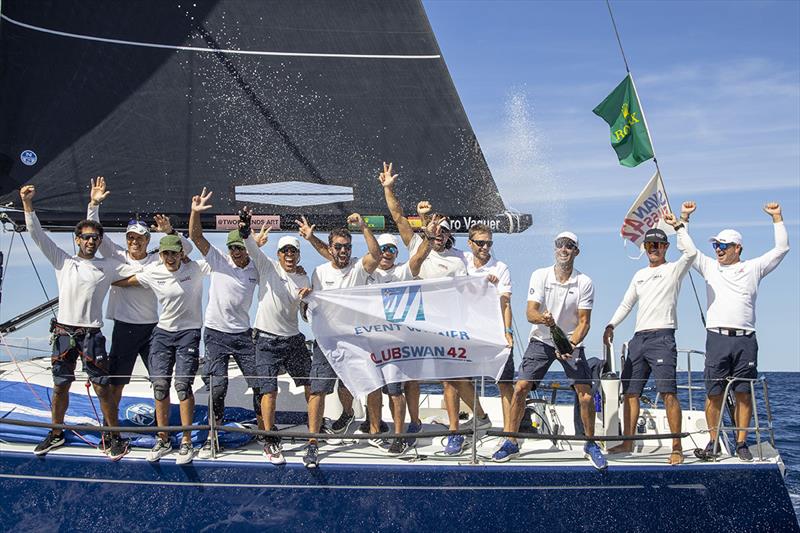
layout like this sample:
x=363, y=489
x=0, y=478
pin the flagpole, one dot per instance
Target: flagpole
x=650, y=136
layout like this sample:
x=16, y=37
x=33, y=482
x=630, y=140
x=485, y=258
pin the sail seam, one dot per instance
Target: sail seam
x=211, y=50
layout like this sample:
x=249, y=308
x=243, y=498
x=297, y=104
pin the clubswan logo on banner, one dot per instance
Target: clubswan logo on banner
x=141, y=414
x=398, y=302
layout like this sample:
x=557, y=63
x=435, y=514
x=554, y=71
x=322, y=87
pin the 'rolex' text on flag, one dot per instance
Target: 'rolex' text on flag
x=629, y=136
x=424, y=329
x=647, y=212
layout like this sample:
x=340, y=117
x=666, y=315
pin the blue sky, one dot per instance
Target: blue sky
x=720, y=83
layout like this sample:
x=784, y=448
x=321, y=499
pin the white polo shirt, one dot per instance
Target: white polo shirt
x=492, y=267
x=563, y=300
x=180, y=294
x=656, y=290
x=278, y=294
x=448, y=263
x=731, y=290
x=230, y=294
x=82, y=283
x=326, y=277
x=398, y=272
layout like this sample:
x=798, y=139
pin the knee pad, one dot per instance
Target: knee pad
x=161, y=390
x=184, y=390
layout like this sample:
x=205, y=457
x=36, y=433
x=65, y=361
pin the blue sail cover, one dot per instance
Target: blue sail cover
x=290, y=107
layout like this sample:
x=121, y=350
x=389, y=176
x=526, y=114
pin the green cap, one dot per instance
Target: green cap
x=235, y=239
x=170, y=243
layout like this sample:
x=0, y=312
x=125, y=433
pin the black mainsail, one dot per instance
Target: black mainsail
x=286, y=106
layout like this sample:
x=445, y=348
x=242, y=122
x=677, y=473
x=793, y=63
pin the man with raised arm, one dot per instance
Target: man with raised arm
x=443, y=261
x=339, y=273
x=134, y=310
x=563, y=296
x=178, y=286
x=652, y=348
x=83, y=281
x=481, y=263
x=227, y=318
x=731, y=346
x=281, y=286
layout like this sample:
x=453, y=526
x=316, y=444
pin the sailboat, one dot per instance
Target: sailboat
x=288, y=107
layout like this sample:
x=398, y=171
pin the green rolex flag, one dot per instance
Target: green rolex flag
x=629, y=136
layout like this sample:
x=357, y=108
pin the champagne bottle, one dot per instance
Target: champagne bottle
x=561, y=341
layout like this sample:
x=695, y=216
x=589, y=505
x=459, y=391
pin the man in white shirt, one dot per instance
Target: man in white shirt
x=134, y=310
x=731, y=345
x=227, y=318
x=444, y=260
x=178, y=286
x=561, y=296
x=340, y=272
x=653, y=348
x=83, y=282
x=481, y=263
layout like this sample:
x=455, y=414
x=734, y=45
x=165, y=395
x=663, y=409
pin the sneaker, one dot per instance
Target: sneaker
x=52, y=440
x=162, y=448
x=274, y=452
x=364, y=427
x=397, y=448
x=311, y=458
x=381, y=444
x=334, y=439
x=207, y=451
x=592, y=452
x=342, y=424
x=185, y=454
x=484, y=422
x=455, y=445
x=413, y=428
x=117, y=447
x=104, y=443
x=707, y=453
x=506, y=451
x=743, y=452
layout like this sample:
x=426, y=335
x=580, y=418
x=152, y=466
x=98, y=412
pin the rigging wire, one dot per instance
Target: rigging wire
x=38, y=276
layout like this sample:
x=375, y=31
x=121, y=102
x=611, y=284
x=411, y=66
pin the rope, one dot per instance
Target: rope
x=619, y=41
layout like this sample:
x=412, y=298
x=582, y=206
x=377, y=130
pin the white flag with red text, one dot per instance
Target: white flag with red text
x=647, y=212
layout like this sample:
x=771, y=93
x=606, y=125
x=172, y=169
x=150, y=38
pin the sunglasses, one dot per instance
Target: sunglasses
x=566, y=243
x=652, y=245
x=289, y=250
x=339, y=246
x=722, y=245
x=481, y=244
x=236, y=247
x=391, y=248
x=89, y=236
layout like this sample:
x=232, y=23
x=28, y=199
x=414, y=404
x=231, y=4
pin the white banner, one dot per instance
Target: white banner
x=647, y=212
x=410, y=330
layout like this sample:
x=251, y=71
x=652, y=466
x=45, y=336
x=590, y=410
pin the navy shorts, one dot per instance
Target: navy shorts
x=174, y=349
x=323, y=377
x=730, y=357
x=538, y=358
x=220, y=347
x=508, y=370
x=651, y=351
x=128, y=341
x=274, y=352
x=90, y=348
x=394, y=389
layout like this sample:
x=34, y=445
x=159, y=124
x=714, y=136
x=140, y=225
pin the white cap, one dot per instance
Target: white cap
x=387, y=238
x=288, y=240
x=445, y=224
x=727, y=236
x=139, y=229
x=569, y=235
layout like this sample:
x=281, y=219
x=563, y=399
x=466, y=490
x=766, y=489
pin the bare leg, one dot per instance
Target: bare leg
x=451, y=403
x=630, y=413
x=587, y=408
x=412, y=400
x=316, y=407
x=398, y=405
x=107, y=404
x=517, y=411
x=744, y=411
x=268, y=409
x=713, y=411
x=59, y=404
x=674, y=417
x=187, y=416
x=466, y=391
x=374, y=407
x=307, y=392
x=346, y=398
x=506, y=395
x=162, y=415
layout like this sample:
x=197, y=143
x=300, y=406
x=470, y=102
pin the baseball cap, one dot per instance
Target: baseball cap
x=387, y=238
x=170, y=243
x=138, y=227
x=445, y=224
x=655, y=235
x=569, y=235
x=235, y=239
x=288, y=240
x=728, y=236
